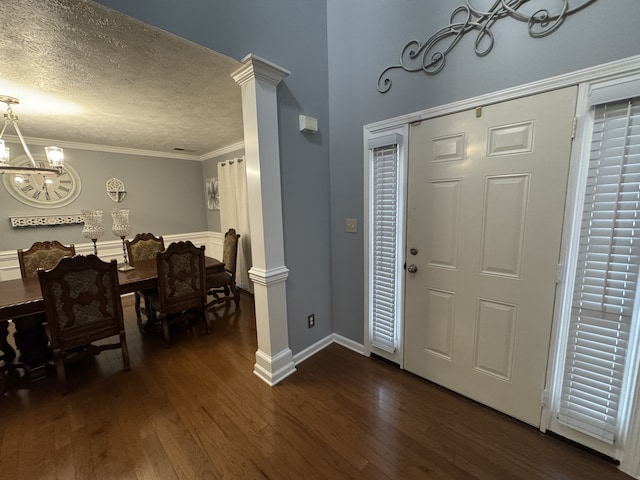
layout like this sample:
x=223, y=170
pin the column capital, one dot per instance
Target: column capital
x=259, y=68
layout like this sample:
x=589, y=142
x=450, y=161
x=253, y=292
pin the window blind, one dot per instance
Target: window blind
x=384, y=254
x=606, y=275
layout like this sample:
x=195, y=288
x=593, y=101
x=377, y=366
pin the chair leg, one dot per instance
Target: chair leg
x=7, y=350
x=3, y=379
x=236, y=295
x=125, y=351
x=165, y=331
x=137, y=306
x=8, y=354
x=203, y=313
x=62, y=375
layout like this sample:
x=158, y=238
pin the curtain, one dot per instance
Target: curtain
x=234, y=213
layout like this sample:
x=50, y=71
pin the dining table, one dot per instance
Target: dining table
x=21, y=299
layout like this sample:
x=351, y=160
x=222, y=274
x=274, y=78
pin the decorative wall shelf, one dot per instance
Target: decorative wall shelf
x=46, y=220
x=116, y=190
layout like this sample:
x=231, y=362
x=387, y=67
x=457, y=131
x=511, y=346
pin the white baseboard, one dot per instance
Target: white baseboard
x=325, y=342
x=348, y=343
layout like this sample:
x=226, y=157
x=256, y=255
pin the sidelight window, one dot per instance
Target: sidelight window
x=599, y=347
x=385, y=247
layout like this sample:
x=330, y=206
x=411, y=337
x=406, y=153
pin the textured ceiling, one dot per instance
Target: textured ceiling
x=84, y=73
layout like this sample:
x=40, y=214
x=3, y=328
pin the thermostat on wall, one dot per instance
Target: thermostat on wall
x=308, y=124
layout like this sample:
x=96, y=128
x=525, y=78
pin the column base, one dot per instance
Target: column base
x=272, y=370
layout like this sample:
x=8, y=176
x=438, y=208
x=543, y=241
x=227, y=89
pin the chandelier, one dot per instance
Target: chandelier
x=55, y=155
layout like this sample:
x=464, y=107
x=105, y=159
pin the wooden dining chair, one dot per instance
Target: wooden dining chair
x=42, y=255
x=82, y=302
x=181, y=287
x=30, y=332
x=143, y=246
x=222, y=285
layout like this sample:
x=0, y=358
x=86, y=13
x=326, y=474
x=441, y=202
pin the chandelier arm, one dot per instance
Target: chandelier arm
x=30, y=170
x=6, y=123
x=24, y=145
x=54, y=154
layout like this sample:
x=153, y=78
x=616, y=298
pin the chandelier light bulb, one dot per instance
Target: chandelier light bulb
x=55, y=155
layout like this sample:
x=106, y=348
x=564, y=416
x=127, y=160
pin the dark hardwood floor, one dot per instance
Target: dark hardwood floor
x=196, y=411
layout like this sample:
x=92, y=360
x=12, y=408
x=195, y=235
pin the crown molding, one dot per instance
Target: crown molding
x=126, y=151
x=223, y=151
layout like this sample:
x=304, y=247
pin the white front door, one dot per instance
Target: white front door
x=486, y=201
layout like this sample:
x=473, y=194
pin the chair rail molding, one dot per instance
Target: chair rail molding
x=427, y=57
x=112, y=249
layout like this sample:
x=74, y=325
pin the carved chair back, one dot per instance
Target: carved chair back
x=181, y=277
x=82, y=302
x=42, y=255
x=223, y=284
x=230, y=251
x=144, y=246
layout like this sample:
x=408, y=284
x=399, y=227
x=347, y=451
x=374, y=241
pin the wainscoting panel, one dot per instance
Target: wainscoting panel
x=107, y=250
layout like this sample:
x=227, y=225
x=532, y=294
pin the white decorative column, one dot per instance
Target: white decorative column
x=258, y=80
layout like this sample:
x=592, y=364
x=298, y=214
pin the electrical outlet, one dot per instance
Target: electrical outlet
x=311, y=320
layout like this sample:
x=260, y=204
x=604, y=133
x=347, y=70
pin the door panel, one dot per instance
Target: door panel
x=505, y=207
x=445, y=212
x=485, y=208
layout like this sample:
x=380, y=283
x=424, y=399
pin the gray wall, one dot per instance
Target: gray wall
x=210, y=170
x=292, y=34
x=365, y=36
x=166, y=196
x=335, y=50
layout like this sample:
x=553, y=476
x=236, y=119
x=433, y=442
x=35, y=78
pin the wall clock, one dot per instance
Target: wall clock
x=43, y=191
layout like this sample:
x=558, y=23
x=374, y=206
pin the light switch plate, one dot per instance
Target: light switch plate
x=351, y=225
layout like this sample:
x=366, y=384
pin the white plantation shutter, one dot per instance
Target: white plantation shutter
x=384, y=256
x=606, y=276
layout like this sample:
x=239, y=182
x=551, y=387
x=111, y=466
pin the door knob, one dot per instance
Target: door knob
x=412, y=268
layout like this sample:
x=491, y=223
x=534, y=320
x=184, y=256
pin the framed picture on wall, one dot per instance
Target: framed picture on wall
x=213, y=194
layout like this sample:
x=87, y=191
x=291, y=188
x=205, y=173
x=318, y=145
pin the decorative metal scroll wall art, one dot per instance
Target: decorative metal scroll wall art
x=430, y=56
